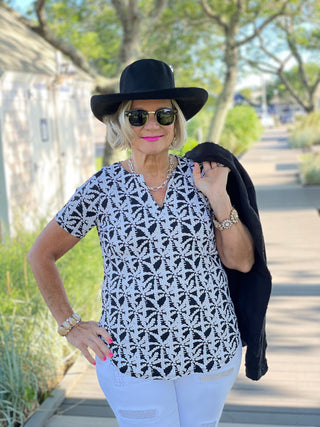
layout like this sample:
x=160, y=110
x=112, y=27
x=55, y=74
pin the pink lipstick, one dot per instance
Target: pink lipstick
x=151, y=138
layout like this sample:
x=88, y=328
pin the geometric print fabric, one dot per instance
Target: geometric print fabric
x=165, y=295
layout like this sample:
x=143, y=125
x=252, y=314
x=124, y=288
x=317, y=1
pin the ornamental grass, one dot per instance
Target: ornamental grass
x=310, y=168
x=306, y=132
x=33, y=357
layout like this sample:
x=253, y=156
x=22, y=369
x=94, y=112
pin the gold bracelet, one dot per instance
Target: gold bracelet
x=68, y=324
x=227, y=223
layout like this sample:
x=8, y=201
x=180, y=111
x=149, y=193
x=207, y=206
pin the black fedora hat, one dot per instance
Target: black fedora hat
x=149, y=79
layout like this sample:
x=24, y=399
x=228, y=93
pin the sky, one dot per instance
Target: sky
x=22, y=5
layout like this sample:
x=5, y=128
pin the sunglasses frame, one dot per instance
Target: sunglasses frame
x=130, y=112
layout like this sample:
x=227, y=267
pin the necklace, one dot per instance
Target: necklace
x=165, y=182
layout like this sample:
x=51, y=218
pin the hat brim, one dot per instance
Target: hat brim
x=189, y=99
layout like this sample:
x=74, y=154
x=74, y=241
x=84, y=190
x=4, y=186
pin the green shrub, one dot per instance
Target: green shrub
x=306, y=132
x=310, y=168
x=309, y=120
x=304, y=138
x=33, y=357
x=242, y=129
x=188, y=145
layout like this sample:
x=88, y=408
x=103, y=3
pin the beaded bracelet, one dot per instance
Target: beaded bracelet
x=68, y=324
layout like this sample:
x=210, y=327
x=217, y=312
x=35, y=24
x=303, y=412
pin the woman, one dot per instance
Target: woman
x=167, y=345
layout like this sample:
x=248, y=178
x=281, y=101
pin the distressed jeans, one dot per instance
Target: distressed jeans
x=196, y=400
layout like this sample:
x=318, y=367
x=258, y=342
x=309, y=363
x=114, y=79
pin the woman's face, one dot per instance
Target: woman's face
x=152, y=138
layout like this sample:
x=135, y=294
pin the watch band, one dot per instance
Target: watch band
x=226, y=223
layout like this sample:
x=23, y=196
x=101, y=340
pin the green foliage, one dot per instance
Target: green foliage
x=242, y=129
x=98, y=163
x=304, y=135
x=92, y=27
x=18, y=382
x=310, y=120
x=247, y=93
x=307, y=132
x=198, y=126
x=180, y=37
x=189, y=145
x=312, y=71
x=310, y=168
x=304, y=138
x=32, y=355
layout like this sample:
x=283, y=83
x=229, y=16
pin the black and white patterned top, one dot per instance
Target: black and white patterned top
x=165, y=296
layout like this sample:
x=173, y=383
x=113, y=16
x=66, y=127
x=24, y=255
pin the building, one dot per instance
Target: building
x=46, y=126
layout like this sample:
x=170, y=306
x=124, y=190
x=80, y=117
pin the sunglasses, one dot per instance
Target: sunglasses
x=164, y=116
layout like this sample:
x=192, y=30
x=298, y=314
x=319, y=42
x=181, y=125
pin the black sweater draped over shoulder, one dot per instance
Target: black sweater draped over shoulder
x=250, y=291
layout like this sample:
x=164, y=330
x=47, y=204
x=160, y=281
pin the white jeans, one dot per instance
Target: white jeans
x=196, y=400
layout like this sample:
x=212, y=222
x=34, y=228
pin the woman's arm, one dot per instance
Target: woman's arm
x=235, y=245
x=52, y=244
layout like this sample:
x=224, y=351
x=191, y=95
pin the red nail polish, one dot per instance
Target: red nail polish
x=104, y=358
x=94, y=363
x=110, y=341
x=110, y=355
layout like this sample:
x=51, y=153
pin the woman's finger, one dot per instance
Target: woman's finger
x=104, y=334
x=86, y=353
x=214, y=165
x=207, y=166
x=196, y=173
x=101, y=350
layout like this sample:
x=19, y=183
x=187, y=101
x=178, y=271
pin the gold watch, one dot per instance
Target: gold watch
x=226, y=223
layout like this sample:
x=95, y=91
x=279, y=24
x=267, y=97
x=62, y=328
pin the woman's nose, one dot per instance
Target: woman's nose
x=152, y=121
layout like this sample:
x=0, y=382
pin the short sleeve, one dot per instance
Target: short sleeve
x=78, y=216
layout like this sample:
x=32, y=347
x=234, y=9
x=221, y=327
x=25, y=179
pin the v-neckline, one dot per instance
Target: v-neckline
x=144, y=185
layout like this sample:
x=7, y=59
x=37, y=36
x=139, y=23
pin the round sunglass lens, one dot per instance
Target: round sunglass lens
x=165, y=117
x=140, y=117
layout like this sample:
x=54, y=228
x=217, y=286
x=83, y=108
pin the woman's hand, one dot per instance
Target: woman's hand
x=87, y=335
x=214, y=183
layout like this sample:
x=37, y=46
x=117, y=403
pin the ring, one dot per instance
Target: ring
x=220, y=165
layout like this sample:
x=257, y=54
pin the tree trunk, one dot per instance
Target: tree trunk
x=130, y=18
x=225, y=98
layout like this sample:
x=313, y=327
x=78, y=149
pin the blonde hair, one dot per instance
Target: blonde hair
x=119, y=132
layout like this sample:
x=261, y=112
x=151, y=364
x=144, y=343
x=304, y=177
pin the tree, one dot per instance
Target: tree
x=236, y=19
x=296, y=38
x=81, y=29
x=123, y=31
x=131, y=17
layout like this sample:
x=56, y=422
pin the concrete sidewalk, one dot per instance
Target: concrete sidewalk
x=289, y=395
